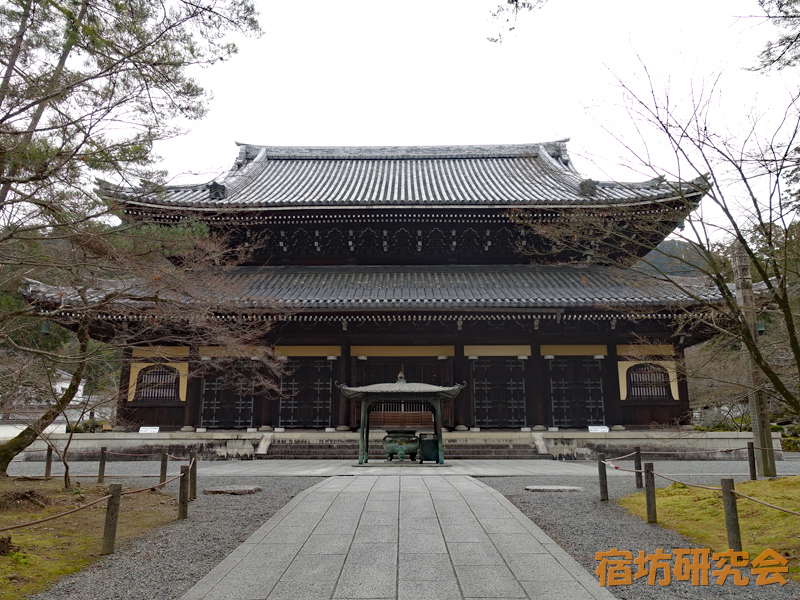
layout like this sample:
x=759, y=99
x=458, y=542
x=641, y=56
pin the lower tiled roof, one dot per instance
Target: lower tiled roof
x=353, y=289
x=459, y=288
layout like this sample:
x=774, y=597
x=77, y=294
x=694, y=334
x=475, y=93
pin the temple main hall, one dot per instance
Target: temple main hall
x=411, y=259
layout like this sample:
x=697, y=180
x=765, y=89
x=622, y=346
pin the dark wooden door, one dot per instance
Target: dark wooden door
x=226, y=404
x=576, y=391
x=498, y=392
x=307, y=394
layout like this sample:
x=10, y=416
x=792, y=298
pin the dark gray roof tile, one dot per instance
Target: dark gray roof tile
x=271, y=177
x=449, y=287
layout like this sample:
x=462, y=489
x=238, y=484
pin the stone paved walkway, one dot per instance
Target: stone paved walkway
x=437, y=537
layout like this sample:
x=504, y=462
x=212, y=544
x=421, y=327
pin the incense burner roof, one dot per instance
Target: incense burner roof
x=281, y=178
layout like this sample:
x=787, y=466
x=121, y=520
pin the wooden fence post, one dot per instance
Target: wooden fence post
x=48, y=461
x=731, y=515
x=183, y=496
x=650, y=493
x=601, y=467
x=164, y=460
x=751, y=459
x=112, y=514
x=101, y=471
x=637, y=465
x=193, y=475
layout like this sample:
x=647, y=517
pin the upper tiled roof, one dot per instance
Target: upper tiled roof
x=275, y=177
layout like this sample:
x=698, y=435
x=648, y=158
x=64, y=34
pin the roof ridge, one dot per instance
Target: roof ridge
x=401, y=152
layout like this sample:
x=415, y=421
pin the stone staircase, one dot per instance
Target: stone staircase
x=347, y=449
x=498, y=451
x=324, y=449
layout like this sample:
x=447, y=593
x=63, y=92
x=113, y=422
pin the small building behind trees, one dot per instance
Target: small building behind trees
x=381, y=260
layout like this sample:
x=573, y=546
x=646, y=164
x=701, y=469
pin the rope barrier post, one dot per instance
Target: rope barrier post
x=751, y=458
x=101, y=472
x=112, y=514
x=193, y=475
x=601, y=467
x=183, y=496
x=164, y=461
x=731, y=515
x=650, y=492
x=48, y=461
x=637, y=465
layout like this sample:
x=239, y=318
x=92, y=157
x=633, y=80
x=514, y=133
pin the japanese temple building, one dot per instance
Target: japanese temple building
x=406, y=259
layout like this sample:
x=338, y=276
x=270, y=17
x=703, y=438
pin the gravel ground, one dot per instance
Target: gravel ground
x=583, y=525
x=168, y=561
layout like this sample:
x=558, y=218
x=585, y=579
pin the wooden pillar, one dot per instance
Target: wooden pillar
x=541, y=382
x=461, y=403
x=533, y=398
x=437, y=427
x=363, y=440
x=683, y=388
x=194, y=388
x=613, y=402
x=343, y=369
x=123, y=412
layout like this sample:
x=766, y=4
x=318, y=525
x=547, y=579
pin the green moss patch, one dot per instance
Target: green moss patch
x=46, y=552
x=698, y=515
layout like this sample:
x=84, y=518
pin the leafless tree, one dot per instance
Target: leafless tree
x=86, y=88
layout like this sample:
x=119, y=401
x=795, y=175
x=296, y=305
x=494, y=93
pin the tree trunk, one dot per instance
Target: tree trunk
x=27, y=436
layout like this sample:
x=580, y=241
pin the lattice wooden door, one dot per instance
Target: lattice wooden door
x=307, y=394
x=498, y=392
x=227, y=405
x=576, y=391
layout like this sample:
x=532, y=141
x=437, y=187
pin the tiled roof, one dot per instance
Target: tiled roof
x=357, y=288
x=457, y=288
x=272, y=177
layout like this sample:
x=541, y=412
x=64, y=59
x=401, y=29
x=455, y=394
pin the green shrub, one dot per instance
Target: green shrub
x=88, y=426
x=791, y=444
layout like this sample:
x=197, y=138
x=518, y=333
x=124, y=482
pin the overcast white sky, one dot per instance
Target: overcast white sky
x=421, y=72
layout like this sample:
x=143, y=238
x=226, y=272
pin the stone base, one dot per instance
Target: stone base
x=265, y=428
x=618, y=428
x=342, y=428
x=540, y=428
x=462, y=428
x=187, y=428
x=553, y=488
x=235, y=490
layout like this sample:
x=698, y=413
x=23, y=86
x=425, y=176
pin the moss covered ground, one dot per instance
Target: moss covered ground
x=698, y=514
x=46, y=552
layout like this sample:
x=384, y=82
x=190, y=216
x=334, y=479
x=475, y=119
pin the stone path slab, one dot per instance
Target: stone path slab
x=327, y=468
x=404, y=538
